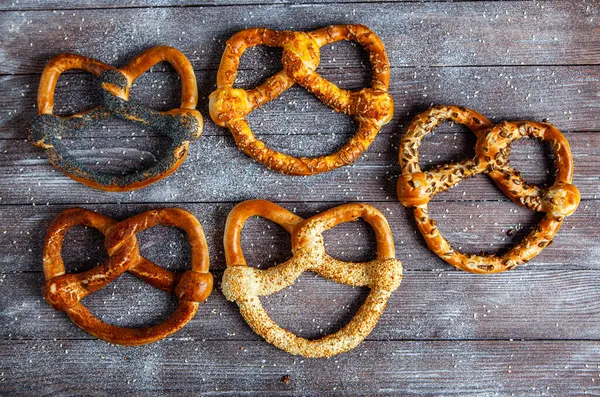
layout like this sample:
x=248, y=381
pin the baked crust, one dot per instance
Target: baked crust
x=64, y=291
x=244, y=285
x=181, y=125
x=416, y=188
x=371, y=107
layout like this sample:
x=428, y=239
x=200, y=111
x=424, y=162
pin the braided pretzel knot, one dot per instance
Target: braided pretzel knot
x=181, y=125
x=371, y=107
x=64, y=291
x=416, y=188
x=244, y=284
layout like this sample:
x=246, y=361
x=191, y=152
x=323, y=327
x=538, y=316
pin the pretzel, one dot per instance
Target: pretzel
x=371, y=107
x=416, y=188
x=181, y=125
x=64, y=291
x=244, y=284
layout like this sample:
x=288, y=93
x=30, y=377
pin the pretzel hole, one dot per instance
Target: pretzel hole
x=159, y=88
x=257, y=64
x=346, y=64
x=75, y=93
x=83, y=249
x=449, y=142
x=351, y=242
x=168, y=247
x=313, y=307
x=265, y=243
x=117, y=147
x=130, y=302
x=534, y=159
x=490, y=227
x=317, y=129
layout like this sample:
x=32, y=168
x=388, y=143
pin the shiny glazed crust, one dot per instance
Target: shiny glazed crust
x=64, y=291
x=371, y=107
x=244, y=284
x=416, y=188
x=181, y=125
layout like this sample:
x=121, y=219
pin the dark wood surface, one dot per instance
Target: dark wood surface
x=531, y=331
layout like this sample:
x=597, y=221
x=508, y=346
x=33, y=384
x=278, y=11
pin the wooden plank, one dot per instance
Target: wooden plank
x=531, y=305
x=418, y=34
x=471, y=226
x=211, y=173
x=566, y=96
x=219, y=367
x=69, y=5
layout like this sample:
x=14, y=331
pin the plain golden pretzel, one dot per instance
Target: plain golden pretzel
x=64, y=291
x=371, y=107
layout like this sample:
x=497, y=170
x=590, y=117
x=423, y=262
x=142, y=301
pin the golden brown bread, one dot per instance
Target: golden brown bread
x=371, y=107
x=65, y=291
x=416, y=188
x=244, y=284
x=181, y=125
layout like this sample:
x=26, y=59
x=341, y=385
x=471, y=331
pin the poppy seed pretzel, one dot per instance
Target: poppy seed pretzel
x=244, y=284
x=371, y=107
x=416, y=188
x=181, y=125
x=64, y=291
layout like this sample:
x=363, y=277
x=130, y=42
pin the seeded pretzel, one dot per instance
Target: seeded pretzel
x=64, y=291
x=244, y=284
x=371, y=107
x=181, y=125
x=416, y=188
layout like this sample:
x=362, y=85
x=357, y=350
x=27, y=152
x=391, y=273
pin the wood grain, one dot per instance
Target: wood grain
x=471, y=226
x=531, y=331
x=566, y=96
x=211, y=171
x=429, y=305
x=83, y=4
x=415, y=34
x=524, y=368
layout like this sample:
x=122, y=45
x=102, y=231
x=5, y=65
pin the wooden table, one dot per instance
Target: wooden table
x=531, y=331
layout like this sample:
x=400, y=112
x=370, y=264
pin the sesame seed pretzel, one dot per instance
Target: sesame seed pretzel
x=371, y=107
x=181, y=125
x=64, y=291
x=492, y=150
x=244, y=284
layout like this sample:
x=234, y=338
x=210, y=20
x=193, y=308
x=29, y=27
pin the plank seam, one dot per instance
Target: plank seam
x=212, y=5
x=408, y=67
x=204, y=340
x=163, y=203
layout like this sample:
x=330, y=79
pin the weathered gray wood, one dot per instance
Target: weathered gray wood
x=566, y=96
x=471, y=226
x=531, y=331
x=522, y=368
x=418, y=34
x=428, y=305
x=216, y=170
x=69, y=5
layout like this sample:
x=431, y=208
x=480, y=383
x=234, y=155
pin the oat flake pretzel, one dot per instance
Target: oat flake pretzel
x=371, y=107
x=181, y=125
x=244, y=284
x=64, y=291
x=416, y=188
